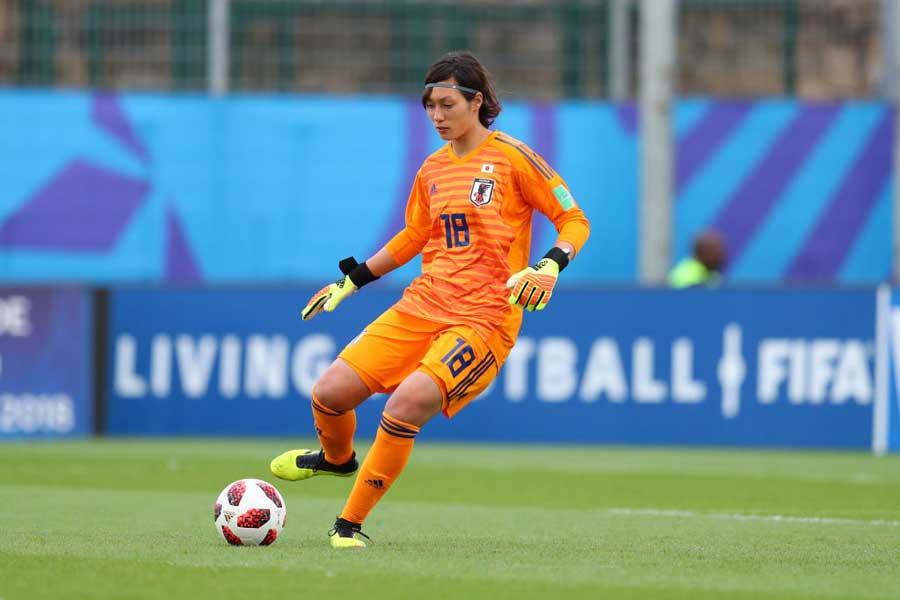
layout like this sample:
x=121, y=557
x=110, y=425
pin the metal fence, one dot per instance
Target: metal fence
x=563, y=48
x=809, y=48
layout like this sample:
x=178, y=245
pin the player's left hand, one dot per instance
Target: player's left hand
x=533, y=286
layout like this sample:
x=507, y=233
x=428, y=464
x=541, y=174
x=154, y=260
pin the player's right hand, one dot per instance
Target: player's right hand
x=328, y=298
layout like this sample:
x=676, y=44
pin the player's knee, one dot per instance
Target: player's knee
x=412, y=408
x=333, y=392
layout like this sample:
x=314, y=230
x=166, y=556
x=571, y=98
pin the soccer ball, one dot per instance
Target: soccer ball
x=250, y=512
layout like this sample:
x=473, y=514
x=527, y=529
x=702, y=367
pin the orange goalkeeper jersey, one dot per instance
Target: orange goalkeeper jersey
x=470, y=217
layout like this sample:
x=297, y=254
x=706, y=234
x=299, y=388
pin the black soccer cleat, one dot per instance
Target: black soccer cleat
x=295, y=465
x=344, y=534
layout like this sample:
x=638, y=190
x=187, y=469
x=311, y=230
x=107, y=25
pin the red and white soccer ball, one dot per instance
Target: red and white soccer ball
x=250, y=512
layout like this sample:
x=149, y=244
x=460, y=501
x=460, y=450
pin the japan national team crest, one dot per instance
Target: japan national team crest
x=482, y=190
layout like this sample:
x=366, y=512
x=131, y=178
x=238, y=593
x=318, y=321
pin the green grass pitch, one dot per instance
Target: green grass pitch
x=133, y=519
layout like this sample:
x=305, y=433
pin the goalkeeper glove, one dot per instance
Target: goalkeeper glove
x=532, y=287
x=355, y=276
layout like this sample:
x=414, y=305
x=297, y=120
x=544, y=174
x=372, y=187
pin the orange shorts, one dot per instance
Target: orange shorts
x=397, y=344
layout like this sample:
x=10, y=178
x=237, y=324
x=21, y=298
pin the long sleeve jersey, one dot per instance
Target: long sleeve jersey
x=470, y=217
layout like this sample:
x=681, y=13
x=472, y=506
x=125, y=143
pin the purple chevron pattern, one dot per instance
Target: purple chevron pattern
x=108, y=116
x=802, y=193
x=706, y=137
x=826, y=248
x=416, y=152
x=761, y=189
x=84, y=208
x=543, y=126
x=764, y=180
x=180, y=264
x=629, y=117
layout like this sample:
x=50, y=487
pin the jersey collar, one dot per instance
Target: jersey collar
x=472, y=152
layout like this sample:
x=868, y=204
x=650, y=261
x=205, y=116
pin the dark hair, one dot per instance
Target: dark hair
x=468, y=72
x=710, y=250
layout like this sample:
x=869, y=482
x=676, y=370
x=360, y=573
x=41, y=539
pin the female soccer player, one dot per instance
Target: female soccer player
x=469, y=215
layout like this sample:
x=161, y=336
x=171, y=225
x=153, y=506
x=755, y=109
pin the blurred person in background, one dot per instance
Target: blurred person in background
x=469, y=214
x=704, y=266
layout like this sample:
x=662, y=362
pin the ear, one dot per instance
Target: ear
x=477, y=101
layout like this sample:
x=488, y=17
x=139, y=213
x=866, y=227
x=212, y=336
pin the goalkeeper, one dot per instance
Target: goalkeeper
x=469, y=215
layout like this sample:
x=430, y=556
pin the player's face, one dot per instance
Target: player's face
x=451, y=114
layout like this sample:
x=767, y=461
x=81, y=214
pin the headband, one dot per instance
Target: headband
x=451, y=86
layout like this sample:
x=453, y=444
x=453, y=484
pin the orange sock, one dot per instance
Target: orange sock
x=383, y=465
x=335, y=430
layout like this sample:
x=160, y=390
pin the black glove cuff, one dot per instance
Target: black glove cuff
x=558, y=255
x=359, y=273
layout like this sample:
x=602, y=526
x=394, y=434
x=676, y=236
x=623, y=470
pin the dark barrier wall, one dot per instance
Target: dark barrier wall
x=45, y=363
x=758, y=368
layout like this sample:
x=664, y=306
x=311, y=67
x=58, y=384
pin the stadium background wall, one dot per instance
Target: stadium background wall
x=154, y=187
x=810, y=368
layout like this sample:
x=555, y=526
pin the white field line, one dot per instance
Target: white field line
x=682, y=514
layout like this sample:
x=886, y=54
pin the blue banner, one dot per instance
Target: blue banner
x=45, y=363
x=729, y=367
x=890, y=413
